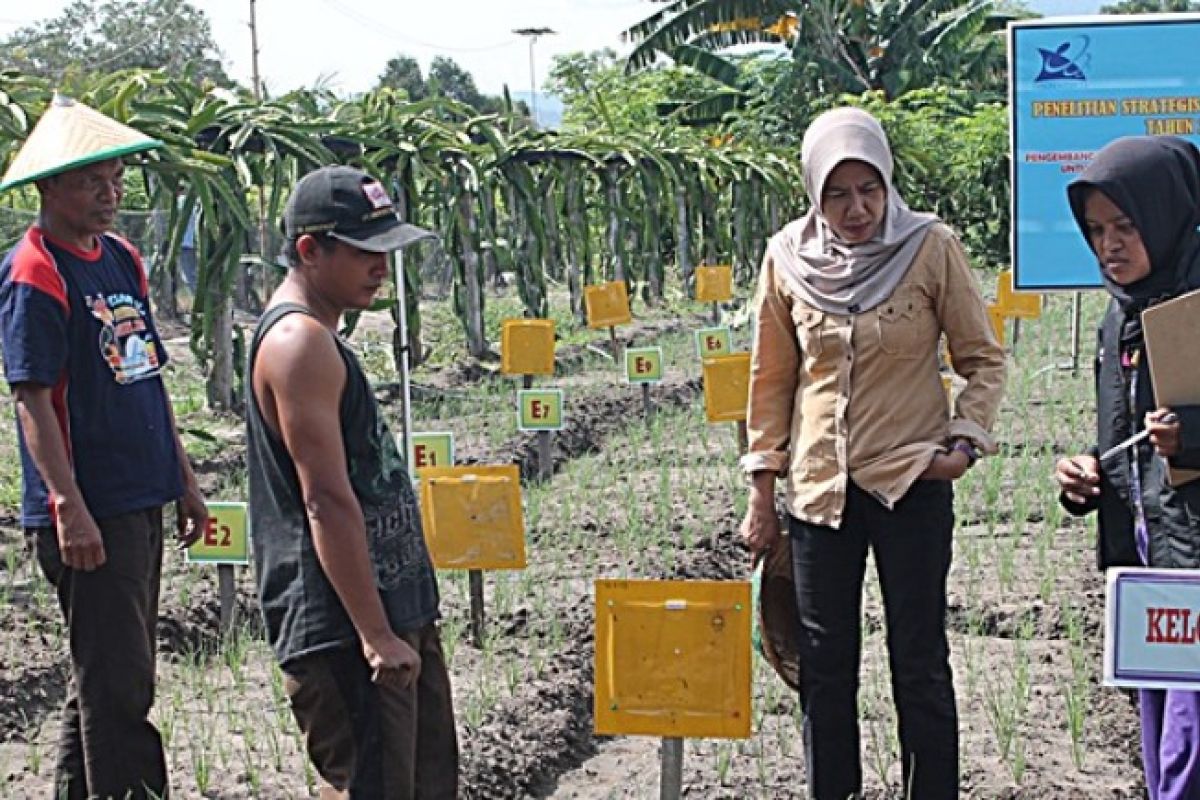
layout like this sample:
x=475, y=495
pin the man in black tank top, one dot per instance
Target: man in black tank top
x=346, y=585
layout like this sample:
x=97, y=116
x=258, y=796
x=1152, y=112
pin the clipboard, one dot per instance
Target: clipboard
x=1172, y=331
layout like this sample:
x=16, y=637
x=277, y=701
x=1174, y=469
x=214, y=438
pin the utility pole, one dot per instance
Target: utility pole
x=254, y=53
x=267, y=283
x=533, y=34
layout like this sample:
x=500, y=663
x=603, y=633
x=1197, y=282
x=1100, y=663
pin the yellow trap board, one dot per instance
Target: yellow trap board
x=673, y=658
x=714, y=284
x=527, y=347
x=726, y=387
x=607, y=304
x=472, y=516
x=1022, y=305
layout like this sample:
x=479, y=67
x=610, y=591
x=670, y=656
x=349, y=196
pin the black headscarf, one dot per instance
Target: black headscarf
x=1155, y=180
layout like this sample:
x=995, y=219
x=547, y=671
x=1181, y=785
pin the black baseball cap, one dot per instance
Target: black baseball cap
x=349, y=205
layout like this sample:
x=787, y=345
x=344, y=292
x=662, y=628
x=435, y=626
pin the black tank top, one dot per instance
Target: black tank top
x=302, y=612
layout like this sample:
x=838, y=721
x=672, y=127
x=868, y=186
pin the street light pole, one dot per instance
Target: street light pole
x=533, y=34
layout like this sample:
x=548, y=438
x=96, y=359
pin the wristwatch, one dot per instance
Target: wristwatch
x=968, y=449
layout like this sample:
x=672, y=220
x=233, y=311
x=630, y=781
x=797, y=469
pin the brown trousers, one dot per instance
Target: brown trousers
x=377, y=741
x=107, y=747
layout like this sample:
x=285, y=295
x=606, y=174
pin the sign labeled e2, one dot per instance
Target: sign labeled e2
x=225, y=540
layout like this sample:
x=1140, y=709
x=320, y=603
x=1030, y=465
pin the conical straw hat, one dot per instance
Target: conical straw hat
x=70, y=135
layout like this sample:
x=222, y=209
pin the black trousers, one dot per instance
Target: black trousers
x=107, y=745
x=377, y=742
x=911, y=543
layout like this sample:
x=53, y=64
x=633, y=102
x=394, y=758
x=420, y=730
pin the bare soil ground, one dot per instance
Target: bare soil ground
x=628, y=499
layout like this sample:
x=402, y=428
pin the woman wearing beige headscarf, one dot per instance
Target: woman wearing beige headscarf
x=847, y=408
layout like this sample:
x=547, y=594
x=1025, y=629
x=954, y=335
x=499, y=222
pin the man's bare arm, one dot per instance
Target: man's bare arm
x=301, y=371
x=79, y=539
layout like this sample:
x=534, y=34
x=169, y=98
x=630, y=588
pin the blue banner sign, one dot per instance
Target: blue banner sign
x=1074, y=86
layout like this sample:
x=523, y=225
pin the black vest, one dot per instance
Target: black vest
x=302, y=612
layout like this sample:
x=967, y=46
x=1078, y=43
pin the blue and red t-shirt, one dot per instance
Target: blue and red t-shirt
x=80, y=323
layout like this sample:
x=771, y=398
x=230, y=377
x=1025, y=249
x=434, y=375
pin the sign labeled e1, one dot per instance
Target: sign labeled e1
x=431, y=449
x=540, y=409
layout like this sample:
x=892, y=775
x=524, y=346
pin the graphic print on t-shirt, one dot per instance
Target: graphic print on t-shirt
x=125, y=343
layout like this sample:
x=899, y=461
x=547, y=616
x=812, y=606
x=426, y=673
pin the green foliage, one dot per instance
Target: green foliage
x=1151, y=7
x=90, y=37
x=446, y=79
x=840, y=46
x=952, y=158
x=403, y=73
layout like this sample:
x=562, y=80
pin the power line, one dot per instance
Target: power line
x=377, y=26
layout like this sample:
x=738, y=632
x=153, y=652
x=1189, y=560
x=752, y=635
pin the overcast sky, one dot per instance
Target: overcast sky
x=348, y=42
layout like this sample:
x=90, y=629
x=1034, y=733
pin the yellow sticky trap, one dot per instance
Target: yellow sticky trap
x=673, y=658
x=226, y=539
x=726, y=387
x=714, y=284
x=472, y=516
x=998, y=317
x=607, y=304
x=1022, y=305
x=527, y=347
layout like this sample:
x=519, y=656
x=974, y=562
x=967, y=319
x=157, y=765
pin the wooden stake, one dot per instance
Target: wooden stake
x=647, y=404
x=671, y=785
x=612, y=337
x=545, y=453
x=743, y=437
x=228, y=595
x=478, y=619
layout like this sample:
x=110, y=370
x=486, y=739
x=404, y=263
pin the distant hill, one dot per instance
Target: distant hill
x=549, y=108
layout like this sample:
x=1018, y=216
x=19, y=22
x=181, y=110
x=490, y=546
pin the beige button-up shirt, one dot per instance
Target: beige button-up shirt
x=859, y=397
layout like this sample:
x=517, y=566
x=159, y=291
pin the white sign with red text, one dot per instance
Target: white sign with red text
x=1152, y=628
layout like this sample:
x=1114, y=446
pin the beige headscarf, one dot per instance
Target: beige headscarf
x=824, y=270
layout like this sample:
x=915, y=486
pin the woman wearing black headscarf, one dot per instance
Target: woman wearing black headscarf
x=1138, y=206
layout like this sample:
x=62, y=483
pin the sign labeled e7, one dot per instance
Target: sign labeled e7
x=540, y=409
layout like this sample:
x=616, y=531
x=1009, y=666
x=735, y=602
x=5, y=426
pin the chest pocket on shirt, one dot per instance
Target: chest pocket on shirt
x=902, y=321
x=807, y=322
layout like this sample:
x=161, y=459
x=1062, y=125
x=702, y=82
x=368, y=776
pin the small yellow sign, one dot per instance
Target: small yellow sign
x=607, y=304
x=225, y=540
x=527, y=347
x=673, y=658
x=540, y=409
x=726, y=387
x=714, y=342
x=714, y=284
x=998, y=318
x=431, y=449
x=1022, y=305
x=472, y=516
x=644, y=365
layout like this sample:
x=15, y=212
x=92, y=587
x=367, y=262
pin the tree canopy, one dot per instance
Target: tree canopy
x=91, y=36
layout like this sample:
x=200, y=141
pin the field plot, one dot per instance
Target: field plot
x=629, y=499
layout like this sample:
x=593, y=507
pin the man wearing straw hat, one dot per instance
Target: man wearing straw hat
x=99, y=448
